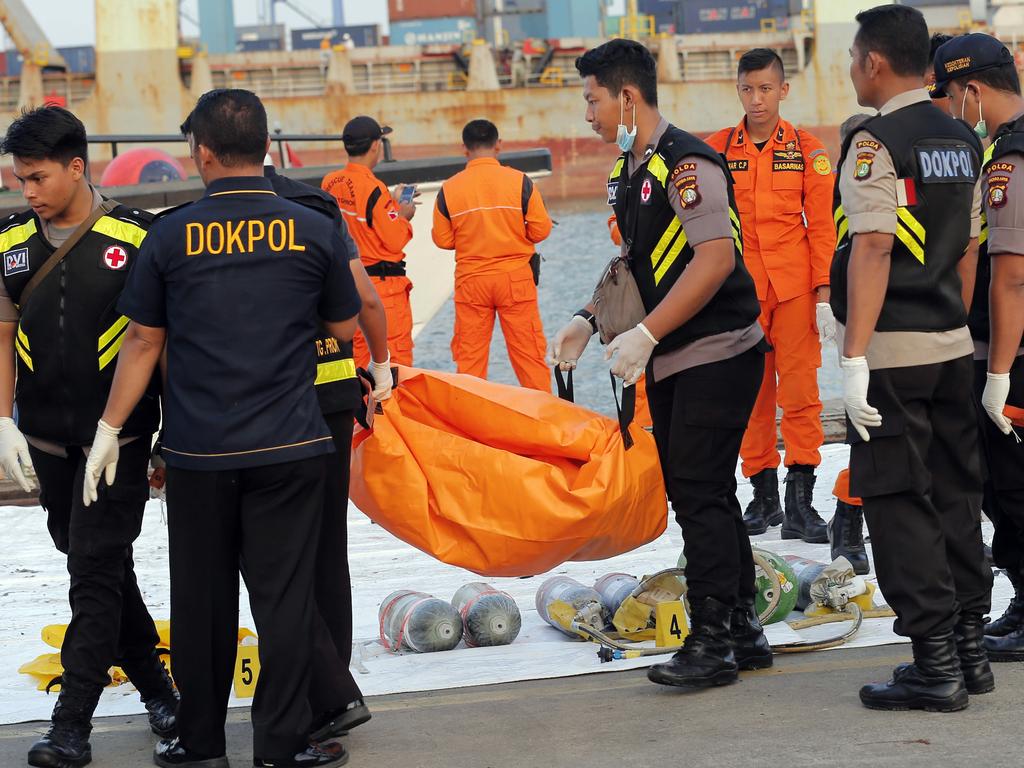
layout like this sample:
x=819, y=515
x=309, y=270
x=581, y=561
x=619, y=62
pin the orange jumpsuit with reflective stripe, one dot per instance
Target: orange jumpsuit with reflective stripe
x=381, y=234
x=492, y=216
x=642, y=415
x=784, y=195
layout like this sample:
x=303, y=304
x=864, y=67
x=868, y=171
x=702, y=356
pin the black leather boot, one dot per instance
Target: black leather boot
x=150, y=677
x=66, y=743
x=802, y=520
x=1013, y=617
x=846, y=534
x=706, y=658
x=969, y=633
x=331, y=725
x=749, y=644
x=933, y=682
x=764, y=510
x=1005, y=647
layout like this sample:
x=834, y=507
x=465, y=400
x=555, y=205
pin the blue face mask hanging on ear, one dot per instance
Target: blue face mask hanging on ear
x=623, y=137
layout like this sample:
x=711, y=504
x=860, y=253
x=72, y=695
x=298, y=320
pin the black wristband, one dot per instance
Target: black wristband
x=589, y=317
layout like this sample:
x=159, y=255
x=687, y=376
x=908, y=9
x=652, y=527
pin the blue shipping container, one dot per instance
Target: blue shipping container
x=81, y=59
x=363, y=36
x=267, y=44
x=573, y=18
x=709, y=16
x=432, y=31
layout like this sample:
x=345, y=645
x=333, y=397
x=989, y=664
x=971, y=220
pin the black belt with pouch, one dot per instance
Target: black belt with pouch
x=383, y=269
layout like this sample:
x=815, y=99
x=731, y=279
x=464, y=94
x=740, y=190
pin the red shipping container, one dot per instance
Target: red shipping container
x=410, y=10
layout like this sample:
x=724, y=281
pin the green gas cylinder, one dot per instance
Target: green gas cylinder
x=764, y=586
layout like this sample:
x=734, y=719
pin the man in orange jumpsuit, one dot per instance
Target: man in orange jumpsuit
x=493, y=217
x=381, y=228
x=783, y=184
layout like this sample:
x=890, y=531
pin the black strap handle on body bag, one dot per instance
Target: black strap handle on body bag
x=625, y=409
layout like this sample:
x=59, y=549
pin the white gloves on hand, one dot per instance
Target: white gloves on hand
x=382, y=379
x=102, y=458
x=993, y=399
x=569, y=343
x=631, y=351
x=824, y=321
x=855, y=396
x=14, y=456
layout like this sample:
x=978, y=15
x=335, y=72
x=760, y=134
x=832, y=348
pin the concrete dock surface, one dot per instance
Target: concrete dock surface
x=804, y=712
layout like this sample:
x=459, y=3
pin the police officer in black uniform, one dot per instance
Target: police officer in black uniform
x=987, y=92
x=700, y=344
x=907, y=213
x=335, y=698
x=59, y=322
x=234, y=283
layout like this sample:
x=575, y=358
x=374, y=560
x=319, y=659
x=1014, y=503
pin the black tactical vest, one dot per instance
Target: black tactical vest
x=937, y=161
x=1009, y=139
x=70, y=331
x=657, y=245
x=337, y=387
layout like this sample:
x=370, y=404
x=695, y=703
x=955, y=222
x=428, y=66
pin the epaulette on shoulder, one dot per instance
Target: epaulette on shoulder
x=168, y=211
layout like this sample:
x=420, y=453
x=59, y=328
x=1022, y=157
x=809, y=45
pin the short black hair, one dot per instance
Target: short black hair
x=760, y=58
x=1001, y=78
x=359, y=148
x=899, y=33
x=938, y=40
x=479, y=134
x=46, y=133
x=231, y=123
x=622, y=62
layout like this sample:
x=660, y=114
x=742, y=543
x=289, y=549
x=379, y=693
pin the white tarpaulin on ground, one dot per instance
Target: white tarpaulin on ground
x=34, y=581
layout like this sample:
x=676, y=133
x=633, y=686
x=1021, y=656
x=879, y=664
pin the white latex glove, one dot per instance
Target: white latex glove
x=631, y=351
x=102, y=458
x=569, y=343
x=382, y=379
x=993, y=399
x=824, y=321
x=14, y=456
x=855, y=396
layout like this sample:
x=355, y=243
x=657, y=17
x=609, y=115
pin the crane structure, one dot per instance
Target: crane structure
x=28, y=37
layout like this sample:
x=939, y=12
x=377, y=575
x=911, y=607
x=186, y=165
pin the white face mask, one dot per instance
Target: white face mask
x=623, y=137
x=980, y=127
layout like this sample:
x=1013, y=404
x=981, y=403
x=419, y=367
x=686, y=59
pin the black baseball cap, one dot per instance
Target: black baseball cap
x=362, y=129
x=966, y=55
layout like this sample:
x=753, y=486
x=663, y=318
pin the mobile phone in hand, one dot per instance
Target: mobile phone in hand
x=408, y=192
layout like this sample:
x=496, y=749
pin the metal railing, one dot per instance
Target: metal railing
x=114, y=141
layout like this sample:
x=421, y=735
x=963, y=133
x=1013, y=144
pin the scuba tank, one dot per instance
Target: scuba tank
x=418, y=622
x=764, y=588
x=614, y=588
x=560, y=601
x=490, y=617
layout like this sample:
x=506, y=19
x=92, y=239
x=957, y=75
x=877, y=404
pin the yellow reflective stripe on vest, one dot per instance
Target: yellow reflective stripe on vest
x=670, y=257
x=911, y=223
x=120, y=230
x=22, y=347
x=15, y=236
x=335, y=370
x=657, y=168
x=616, y=169
x=737, y=230
x=111, y=332
x=665, y=242
x=842, y=223
x=114, y=336
x=910, y=233
x=985, y=158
